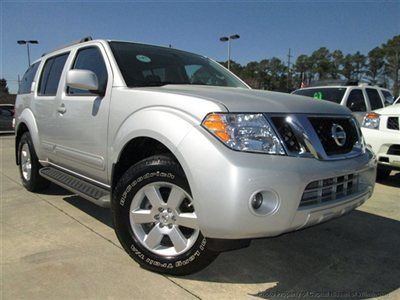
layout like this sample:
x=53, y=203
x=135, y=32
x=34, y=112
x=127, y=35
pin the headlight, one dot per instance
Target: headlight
x=371, y=120
x=244, y=132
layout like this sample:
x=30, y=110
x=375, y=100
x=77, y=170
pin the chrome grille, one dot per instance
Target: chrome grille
x=393, y=123
x=323, y=128
x=331, y=189
x=287, y=134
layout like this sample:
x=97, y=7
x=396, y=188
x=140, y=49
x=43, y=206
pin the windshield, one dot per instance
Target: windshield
x=329, y=94
x=146, y=65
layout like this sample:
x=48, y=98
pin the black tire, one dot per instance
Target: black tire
x=34, y=182
x=155, y=169
x=382, y=174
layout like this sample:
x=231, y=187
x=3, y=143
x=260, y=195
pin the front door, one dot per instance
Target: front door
x=356, y=102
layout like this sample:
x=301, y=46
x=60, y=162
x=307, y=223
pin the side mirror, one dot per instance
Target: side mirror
x=83, y=80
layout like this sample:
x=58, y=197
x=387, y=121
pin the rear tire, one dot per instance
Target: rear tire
x=151, y=203
x=29, y=165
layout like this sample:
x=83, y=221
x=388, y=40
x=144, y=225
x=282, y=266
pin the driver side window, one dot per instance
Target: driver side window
x=356, y=101
x=90, y=59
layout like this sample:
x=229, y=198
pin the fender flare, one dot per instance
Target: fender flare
x=26, y=117
x=165, y=125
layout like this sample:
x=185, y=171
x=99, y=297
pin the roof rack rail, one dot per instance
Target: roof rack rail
x=86, y=39
x=338, y=82
x=82, y=40
x=329, y=82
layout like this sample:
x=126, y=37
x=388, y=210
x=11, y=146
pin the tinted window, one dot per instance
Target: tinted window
x=329, y=94
x=26, y=82
x=90, y=59
x=146, y=65
x=356, y=101
x=51, y=75
x=389, y=99
x=374, y=99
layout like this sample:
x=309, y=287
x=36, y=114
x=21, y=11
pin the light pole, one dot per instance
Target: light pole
x=228, y=39
x=23, y=42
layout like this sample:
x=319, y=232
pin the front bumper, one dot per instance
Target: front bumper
x=223, y=181
x=380, y=142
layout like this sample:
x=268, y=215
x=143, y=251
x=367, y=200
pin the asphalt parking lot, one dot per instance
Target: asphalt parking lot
x=55, y=245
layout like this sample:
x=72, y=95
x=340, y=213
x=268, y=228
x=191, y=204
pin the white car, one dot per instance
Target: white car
x=381, y=131
x=358, y=97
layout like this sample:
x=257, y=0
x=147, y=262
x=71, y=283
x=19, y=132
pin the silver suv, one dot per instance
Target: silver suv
x=191, y=160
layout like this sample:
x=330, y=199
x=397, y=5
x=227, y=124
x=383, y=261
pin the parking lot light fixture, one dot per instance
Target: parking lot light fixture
x=228, y=39
x=27, y=42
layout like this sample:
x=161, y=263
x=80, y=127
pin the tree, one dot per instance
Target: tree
x=3, y=86
x=235, y=67
x=392, y=59
x=348, y=68
x=376, y=64
x=381, y=65
x=303, y=67
x=359, y=62
x=276, y=73
x=337, y=62
x=321, y=62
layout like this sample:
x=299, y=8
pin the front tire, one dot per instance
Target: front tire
x=382, y=174
x=29, y=165
x=155, y=219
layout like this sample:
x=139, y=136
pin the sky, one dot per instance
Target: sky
x=266, y=28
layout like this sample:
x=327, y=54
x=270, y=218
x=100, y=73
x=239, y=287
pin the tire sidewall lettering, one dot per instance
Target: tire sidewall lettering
x=140, y=179
x=175, y=264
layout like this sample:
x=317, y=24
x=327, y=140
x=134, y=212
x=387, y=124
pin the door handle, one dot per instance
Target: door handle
x=61, y=109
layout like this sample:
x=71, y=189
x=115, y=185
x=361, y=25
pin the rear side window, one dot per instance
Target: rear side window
x=51, y=75
x=374, y=99
x=356, y=101
x=27, y=79
x=90, y=59
x=329, y=94
x=389, y=99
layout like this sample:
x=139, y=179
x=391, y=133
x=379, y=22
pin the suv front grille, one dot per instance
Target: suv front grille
x=287, y=134
x=323, y=128
x=393, y=123
x=331, y=189
x=394, y=150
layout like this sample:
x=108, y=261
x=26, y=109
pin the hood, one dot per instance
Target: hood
x=248, y=100
x=389, y=110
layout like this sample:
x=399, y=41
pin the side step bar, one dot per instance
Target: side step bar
x=89, y=191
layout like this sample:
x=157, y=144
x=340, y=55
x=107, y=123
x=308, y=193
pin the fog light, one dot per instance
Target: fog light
x=257, y=201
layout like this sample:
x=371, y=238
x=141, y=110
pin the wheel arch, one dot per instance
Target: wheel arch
x=147, y=132
x=136, y=150
x=26, y=123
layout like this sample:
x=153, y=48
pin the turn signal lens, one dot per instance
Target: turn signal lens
x=372, y=115
x=371, y=120
x=216, y=125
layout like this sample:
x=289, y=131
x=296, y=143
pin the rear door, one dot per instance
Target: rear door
x=44, y=104
x=82, y=117
x=374, y=98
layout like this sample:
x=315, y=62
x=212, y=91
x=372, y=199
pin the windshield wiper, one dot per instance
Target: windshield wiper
x=155, y=83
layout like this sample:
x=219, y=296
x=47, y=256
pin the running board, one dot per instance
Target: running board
x=89, y=191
